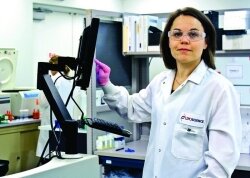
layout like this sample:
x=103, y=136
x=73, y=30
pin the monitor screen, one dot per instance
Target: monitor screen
x=109, y=51
x=86, y=53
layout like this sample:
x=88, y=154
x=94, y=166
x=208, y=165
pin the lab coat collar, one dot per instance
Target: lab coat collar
x=197, y=75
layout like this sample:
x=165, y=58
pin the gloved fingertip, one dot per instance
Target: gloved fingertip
x=97, y=61
x=101, y=72
x=97, y=68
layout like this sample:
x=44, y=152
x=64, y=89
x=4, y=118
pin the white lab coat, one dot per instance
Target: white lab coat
x=195, y=131
x=64, y=87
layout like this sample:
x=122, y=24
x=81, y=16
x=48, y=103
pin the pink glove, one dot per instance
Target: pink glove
x=102, y=73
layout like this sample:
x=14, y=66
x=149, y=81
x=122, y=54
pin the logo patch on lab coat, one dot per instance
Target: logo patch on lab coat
x=192, y=119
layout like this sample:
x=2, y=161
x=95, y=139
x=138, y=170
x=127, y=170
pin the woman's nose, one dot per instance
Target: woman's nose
x=185, y=39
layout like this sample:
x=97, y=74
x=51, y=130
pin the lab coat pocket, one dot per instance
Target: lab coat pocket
x=187, y=142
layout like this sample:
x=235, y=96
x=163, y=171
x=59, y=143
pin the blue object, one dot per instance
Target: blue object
x=31, y=95
x=57, y=124
x=129, y=150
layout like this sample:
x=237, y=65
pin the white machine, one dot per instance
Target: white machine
x=24, y=103
x=8, y=58
x=21, y=103
x=8, y=63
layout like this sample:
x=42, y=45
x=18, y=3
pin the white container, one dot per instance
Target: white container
x=99, y=143
x=236, y=69
x=119, y=142
x=244, y=93
x=235, y=42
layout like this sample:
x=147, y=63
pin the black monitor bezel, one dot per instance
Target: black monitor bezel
x=86, y=53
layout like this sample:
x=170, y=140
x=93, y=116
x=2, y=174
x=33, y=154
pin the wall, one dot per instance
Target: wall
x=106, y=5
x=58, y=33
x=15, y=32
x=163, y=6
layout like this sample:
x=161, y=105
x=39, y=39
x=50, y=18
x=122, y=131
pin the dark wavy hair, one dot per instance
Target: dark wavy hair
x=208, y=53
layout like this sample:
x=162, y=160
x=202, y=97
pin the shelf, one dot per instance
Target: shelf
x=20, y=122
x=140, y=147
x=244, y=162
x=144, y=54
x=245, y=107
x=217, y=53
x=233, y=52
x=102, y=108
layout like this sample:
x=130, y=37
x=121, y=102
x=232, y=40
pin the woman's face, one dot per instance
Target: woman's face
x=185, y=50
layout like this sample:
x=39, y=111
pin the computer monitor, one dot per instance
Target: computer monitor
x=83, y=65
x=86, y=53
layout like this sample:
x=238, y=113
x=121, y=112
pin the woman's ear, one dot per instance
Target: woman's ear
x=205, y=45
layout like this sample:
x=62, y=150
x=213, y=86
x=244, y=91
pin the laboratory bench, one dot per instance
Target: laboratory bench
x=138, y=146
x=18, y=144
x=120, y=158
x=243, y=167
x=19, y=122
x=86, y=166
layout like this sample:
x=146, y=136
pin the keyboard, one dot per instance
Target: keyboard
x=106, y=126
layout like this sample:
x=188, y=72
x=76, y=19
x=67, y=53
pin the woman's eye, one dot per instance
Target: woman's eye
x=177, y=34
x=193, y=34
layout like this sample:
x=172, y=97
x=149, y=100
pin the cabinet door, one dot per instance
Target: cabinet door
x=10, y=150
x=28, y=143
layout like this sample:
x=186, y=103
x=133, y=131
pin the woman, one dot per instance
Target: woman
x=194, y=111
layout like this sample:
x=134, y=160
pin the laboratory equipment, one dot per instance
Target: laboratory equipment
x=24, y=102
x=8, y=58
x=83, y=67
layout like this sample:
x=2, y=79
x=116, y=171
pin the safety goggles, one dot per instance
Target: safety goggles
x=192, y=35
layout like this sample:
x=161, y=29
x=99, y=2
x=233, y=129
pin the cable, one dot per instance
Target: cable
x=70, y=96
x=150, y=60
x=65, y=76
x=58, y=138
x=42, y=158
